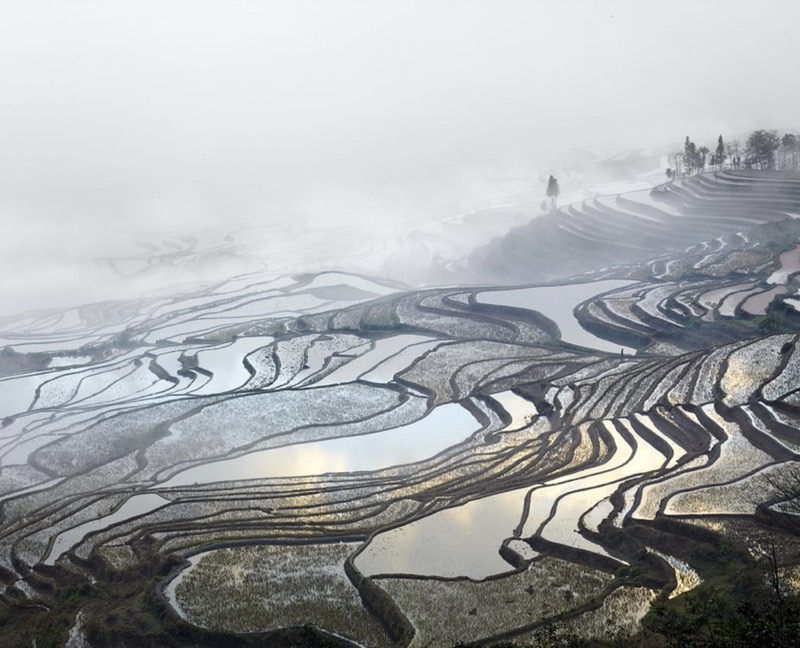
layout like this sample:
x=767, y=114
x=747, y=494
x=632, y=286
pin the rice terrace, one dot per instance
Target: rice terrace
x=335, y=459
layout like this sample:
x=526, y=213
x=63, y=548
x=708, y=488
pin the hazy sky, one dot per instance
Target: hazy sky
x=118, y=112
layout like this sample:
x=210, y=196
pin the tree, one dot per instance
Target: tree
x=719, y=155
x=694, y=159
x=553, y=191
x=689, y=154
x=790, y=152
x=677, y=165
x=734, y=152
x=761, y=147
x=784, y=510
x=702, y=156
x=779, y=544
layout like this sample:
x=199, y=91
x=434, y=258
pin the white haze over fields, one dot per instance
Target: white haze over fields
x=127, y=119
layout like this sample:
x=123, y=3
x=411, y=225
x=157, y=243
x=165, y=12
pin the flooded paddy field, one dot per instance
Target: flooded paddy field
x=399, y=467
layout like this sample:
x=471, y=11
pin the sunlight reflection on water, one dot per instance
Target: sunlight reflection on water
x=444, y=427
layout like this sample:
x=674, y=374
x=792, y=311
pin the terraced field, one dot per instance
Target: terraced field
x=410, y=467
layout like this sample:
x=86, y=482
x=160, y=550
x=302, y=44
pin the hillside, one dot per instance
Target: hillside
x=330, y=459
x=639, y=225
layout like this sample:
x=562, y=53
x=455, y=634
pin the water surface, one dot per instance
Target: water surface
x=558, y=303
x=444, y=427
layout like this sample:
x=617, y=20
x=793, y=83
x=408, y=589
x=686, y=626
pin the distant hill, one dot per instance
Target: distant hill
x=630, y=227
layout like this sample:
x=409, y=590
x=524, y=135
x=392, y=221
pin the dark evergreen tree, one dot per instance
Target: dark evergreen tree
x=689, y=155
x=719, y=156
x=694, y=159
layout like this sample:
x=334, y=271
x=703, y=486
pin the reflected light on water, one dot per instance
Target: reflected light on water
x=461, y=541
x=444, y=427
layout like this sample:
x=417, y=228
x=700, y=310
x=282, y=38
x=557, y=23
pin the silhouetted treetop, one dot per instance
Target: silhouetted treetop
x=761, y=147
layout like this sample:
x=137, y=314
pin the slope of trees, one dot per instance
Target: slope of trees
x=764, y=149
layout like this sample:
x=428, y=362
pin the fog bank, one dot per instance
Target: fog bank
x=124, y=118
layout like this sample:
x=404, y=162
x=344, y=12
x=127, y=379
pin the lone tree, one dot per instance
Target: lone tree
x=719, y=155
x=761, y=147
x=553, y=191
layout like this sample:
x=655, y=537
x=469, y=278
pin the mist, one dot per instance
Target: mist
x=123, y=120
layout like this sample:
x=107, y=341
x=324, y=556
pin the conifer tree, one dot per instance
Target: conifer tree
x=689, y=154
x=720, y=153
